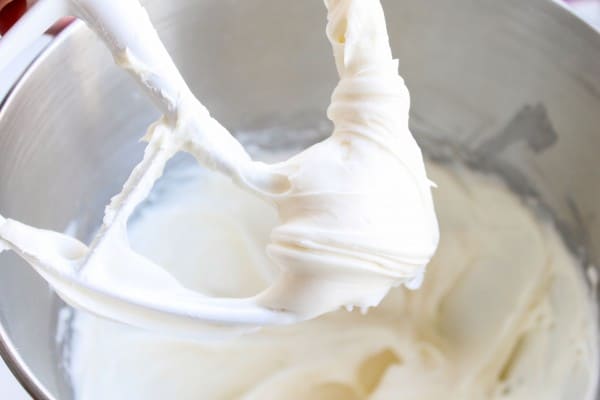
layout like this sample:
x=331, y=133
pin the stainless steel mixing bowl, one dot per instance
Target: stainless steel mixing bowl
x=512, y=86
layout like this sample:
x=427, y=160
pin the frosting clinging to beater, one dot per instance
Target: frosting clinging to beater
x=360, y=211
x=356, y=211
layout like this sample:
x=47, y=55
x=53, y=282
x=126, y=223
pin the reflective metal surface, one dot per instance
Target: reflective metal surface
x=511, y=86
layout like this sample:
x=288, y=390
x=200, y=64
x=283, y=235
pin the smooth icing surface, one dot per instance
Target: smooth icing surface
x=503, y=312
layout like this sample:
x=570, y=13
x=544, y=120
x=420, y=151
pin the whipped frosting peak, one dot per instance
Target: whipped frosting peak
x=360, y=210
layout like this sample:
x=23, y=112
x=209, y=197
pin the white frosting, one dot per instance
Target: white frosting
x=356, y=211
x=359, y=209
x=503, y=313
